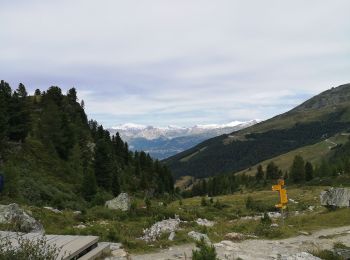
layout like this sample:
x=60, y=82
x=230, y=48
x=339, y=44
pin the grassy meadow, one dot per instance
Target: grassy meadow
x=227, y=211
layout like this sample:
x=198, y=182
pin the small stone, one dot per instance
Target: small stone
x=233, y=236
x=80, y=226
x=305, y=233
x=53, y=210
x=171, y=236
x=205, y=222
x=119, y=253
x=274, y=225
x=199, y=236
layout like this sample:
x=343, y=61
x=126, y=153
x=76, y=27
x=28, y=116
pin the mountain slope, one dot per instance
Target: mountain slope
x=323, y=115
x=162, y=142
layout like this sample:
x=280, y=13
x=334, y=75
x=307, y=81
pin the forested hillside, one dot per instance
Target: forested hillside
x=50, y=154
x=315, y=120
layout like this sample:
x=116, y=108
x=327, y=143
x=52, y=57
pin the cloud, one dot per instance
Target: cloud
x=178, y=62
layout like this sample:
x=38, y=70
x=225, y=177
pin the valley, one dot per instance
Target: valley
x=163, y=142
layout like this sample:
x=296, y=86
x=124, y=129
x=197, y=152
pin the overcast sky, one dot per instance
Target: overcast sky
x=179, y=62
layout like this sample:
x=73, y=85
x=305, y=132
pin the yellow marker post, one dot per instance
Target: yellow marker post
x=282, y=196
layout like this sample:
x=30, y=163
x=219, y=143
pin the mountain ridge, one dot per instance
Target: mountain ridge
x=162, y=142
x=325, y=114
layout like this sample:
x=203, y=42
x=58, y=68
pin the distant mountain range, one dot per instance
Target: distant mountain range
x=162, y=142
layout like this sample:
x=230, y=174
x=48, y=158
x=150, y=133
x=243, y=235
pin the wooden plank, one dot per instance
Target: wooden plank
x=77, y=246
x=70, y=246
x=96, y=252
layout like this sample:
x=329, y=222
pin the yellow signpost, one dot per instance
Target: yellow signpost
x=282, y=195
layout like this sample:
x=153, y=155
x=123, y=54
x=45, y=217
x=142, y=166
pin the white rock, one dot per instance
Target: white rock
x=293, y=201
x=299, y=256
x=205, y=222
x=122, y=202
x=57, y=211
x=80, y=226
x=337, y=197
x=274, y=225
x=171, y=236
x=274, y=214
x=161, y=227
x=199, y=236
x=12, y=212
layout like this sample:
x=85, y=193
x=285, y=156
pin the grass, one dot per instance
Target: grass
x=127, y=227
x=312, y=153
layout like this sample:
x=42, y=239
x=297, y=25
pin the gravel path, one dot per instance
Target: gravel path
x=260, y=249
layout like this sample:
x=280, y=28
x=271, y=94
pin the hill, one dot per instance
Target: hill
x=51, y=154
x=320, y=117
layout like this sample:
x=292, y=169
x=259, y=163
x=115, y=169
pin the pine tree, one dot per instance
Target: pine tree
x=103, y=165
x=297, y=170
x=272, y=172
x=89, y=186
x=309, y=171
x=259, y=174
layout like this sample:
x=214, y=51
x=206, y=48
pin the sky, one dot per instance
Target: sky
x=177, y=62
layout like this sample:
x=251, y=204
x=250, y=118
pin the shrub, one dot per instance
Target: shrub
x=204, y=252
x=203, y=202
x=258, y=206
x=27, y=249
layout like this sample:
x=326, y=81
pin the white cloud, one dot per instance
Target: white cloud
x=196, y=62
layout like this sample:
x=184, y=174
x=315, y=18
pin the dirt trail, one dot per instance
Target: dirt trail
x=261, y=249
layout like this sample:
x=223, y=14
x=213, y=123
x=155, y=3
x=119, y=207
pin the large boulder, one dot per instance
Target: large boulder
x=122, y=202
x=335, y=197
x=156, y=230
x=13, y=215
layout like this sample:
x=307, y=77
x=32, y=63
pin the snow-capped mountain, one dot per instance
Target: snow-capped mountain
x=162, y=142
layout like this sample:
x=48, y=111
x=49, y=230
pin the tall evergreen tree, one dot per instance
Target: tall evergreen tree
x=272, y=172
x=297, y=170
x=259, y=174
x=309, y=171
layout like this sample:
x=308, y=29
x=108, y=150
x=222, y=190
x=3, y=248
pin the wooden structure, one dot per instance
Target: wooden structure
x=71, y=247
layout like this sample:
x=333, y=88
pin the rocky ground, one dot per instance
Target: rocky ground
x=253, y=249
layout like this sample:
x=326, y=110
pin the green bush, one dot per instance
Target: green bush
x=256, y=205
x=27, y=249
x=204, y=252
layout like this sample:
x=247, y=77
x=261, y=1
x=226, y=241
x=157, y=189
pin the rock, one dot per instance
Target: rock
x=311, y=208
x=335, y=197
x=80, y=226
x=233, y=236
x=57, y=211
x=119, y=254
x=171, y=236
x=344, y=253
x=293, y=201
x=299, y=256
x=305, y=233
x=274, y=214
x=274, y=225
x=161, y=227
x=13, y=214
x=77, y=212
x=199, y=236
x=205, y=222
x=122, y=202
